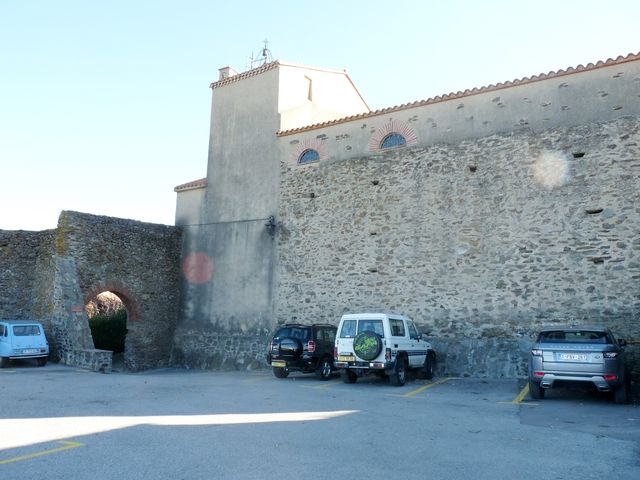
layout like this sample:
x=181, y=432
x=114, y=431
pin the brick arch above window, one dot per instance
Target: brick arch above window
x=309, y=151
x=392, y=134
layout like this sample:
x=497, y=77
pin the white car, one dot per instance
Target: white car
x=381, y=343
x=22, y=339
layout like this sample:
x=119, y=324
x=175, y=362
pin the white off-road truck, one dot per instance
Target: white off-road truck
x=381, y=343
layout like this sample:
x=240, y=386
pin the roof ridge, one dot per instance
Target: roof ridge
x=473, y=91
x=243, y=75
x=201, y=182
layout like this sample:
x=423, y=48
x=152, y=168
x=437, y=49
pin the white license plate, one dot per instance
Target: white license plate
x=346, y=358
x=278, y=363
x=29, y=351
x=573, y=357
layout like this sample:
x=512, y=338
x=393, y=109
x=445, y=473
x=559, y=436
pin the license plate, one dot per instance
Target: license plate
x=278, y=363
x=346, y=358
x=572, y=357
x=29, y=351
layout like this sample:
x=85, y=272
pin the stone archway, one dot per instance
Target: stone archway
x=60, y=270
x=107, y=317
x=131, y=306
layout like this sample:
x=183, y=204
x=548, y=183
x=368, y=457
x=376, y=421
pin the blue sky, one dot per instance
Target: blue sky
x=105, y=105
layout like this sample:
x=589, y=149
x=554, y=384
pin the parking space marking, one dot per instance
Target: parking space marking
x=67, y=446
x=413, y=393
x=523, y=393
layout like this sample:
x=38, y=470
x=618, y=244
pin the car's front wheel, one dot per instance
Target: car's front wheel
x=281, y=372
x=325, y=369
x=399, y=375
x=536, y=391
x=4, y=362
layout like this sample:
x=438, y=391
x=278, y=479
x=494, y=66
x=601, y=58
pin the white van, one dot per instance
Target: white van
x=381, y=343
x=21, y=339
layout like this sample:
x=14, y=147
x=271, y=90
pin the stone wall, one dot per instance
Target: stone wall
x=22, y=285
x=216, y=350
x=51, y=275
x=485, y=239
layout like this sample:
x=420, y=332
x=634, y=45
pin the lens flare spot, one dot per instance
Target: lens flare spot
x=551, y=170
x=197, y=268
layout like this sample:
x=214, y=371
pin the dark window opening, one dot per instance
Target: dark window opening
x=393, y=140
x=308, y=156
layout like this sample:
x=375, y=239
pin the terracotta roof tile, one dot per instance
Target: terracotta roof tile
x=200, y=183
x=249, y=73
x=474, y=91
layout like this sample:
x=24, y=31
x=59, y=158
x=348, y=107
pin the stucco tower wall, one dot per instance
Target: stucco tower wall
x=232, y=244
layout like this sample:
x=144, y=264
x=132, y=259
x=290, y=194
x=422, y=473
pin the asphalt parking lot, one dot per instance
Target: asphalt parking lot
x=60, y=422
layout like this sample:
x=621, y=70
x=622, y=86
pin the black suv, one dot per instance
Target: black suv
x=307, y=348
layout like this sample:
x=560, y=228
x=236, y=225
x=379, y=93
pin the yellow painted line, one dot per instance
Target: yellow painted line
x=523, y=393
x=413, y=393
x=67, y=446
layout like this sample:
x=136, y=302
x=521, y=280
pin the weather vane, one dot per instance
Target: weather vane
x=264, y=57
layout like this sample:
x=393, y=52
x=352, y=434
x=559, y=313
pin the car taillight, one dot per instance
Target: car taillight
x=536, y=352
x=335, y=352
x=387, y=354
x=311, y=346
x=609, y=354
x=538, y=374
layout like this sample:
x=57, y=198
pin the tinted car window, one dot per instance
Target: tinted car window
x=327, y=334
x=397, y=327
x=413, y=331
x=574, y=336
x=293, y=332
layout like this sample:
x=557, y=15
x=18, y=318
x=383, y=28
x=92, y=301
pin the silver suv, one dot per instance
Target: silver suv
x=590, y=355
x=384, y=344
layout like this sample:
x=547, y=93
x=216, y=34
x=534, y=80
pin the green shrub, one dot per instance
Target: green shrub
x=109, y=331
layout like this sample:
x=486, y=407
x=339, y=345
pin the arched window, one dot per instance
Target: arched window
x=308, y=156
x=393, y=140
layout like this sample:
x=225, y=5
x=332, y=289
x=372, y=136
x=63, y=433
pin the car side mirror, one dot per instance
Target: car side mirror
x=622, y=342
x=419, y=336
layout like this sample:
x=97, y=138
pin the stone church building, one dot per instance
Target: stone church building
x=481, y=214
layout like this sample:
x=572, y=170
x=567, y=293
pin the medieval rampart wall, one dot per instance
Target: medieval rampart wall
x=51, y=275
x=486, y=238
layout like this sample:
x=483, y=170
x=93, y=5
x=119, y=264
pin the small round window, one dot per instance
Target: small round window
x=308, y=156
x=393, y=140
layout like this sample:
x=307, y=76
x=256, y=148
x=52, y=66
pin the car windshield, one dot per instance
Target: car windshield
x=300, y=333
x=574, y=336
x=26, y=330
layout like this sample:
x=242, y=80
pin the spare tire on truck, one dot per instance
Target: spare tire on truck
x=291, y=347
x=367, y=345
